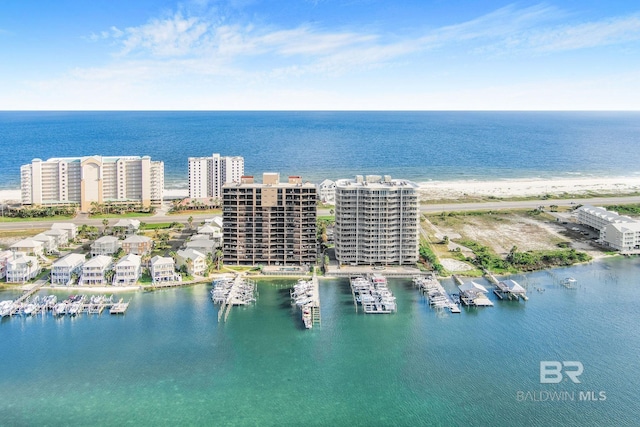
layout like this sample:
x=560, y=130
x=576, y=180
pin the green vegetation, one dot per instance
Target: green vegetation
x=160, y=225
x=39, y=212
x=121, y=215
x=428, y=256
x=522, y=261
x=625, y=209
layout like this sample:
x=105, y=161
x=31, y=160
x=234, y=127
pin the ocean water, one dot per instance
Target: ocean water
x=420, y=146
x=168, y=361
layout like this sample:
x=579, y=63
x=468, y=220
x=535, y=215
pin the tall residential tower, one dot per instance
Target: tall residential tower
x=377, y=221
x=207, y=175
x=270, y=223
x=100, y=179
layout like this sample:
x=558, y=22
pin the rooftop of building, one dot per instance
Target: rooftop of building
x=375, y=182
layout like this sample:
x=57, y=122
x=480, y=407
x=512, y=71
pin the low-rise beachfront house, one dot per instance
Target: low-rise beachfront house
x=206, y=246
x=216, y=221
x=22, y=268
x=105, y=245
x=327, y=192
x=163, y=269
x=48, y=242
x=137, y=245
x=5, y=257
x=62, y=270
x=28, y=247
x=94, y=270
x=60, y=237
x=127, y=270
x=129, y=226
x=70, y=228
x=212, y=231
x=194, y=261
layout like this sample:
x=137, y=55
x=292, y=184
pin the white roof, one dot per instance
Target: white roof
x=41, y=237
x=106, y=239
x=200, y=237
x=327, y=183
x=609, y=216
x=208, y=228
x=128, y=223
x=64, y=225
x=22, y=259
x=98, y=261
x=70, y=260
x=161, y=260
x=55, y=232
x=626, y=227
x=201, y=243
x=27, y=243
x=130, y=259
x=137, y=239
x=190, y=253
x=473, y=287
x=513, y=285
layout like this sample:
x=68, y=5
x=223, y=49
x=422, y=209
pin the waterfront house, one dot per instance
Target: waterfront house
x=327, y=192
x=63, y=269
x=28, y=247
x=216, y=221
x=127, y=270
x=22, y=268
x=94, y=270
x=163, y=269
x=70, y=228
x=105, y=245
x=194, y=261
x=212, y=231
x=137, y=245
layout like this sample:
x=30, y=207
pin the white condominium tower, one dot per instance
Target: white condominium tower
x=207, y=175
x=100, y=179
x=377, y=221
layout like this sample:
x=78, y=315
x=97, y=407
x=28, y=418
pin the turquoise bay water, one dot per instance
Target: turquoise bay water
x=168, y=361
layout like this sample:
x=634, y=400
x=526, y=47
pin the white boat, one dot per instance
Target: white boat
x=60, y=309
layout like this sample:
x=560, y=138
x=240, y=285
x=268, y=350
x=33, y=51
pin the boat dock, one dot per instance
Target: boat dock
x=372, y=294
x=510, y=289
x=437, y=296
x=306, y=295
x=72, y=306
x=229, y=292
x=473, y=294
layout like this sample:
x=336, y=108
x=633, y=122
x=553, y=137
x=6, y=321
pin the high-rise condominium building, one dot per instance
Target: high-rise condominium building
x=207, y=175
x=270, y=223
x=377, y=221
x=100, y=179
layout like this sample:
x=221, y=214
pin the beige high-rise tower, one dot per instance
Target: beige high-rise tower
x=100, y=179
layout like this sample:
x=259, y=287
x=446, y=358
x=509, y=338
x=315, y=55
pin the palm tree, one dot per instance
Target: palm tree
x=190, y=221
x=105, y=222
x=189, y=263
x=219, y=259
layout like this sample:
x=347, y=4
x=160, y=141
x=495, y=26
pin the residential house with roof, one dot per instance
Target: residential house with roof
x=137, y=245
x=327, y=192
x=163, y=269
x=5, y=257
x=28, y=247
x=127, y=270
x=105, y=245
x=194, y=261
x=129, y=226
x=70, y=228
x=22, y=268
x=49, y=243
x=205, y=246
x=63, y=269
x=61, y=237
x=94, y=270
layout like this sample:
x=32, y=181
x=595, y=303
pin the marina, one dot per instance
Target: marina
x=73, y=306
x=229, y=291
x=306, y=295
x=372, y=294
x=436, y=294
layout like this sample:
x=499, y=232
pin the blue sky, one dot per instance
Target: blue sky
x=319, y=55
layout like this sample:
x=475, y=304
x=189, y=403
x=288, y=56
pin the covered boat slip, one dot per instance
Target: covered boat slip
x=436, y=294
x=372, y=294
x=510, y=289
x=474, y=294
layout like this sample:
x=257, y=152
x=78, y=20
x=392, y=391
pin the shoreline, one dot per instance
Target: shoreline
x=498, y=188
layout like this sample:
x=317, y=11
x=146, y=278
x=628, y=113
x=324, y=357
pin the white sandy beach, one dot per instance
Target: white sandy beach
x=434, y=190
